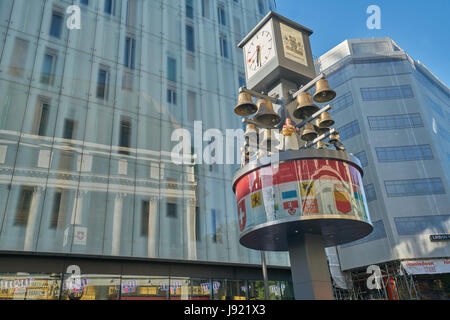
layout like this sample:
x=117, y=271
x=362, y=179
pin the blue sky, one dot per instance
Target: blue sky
x=421, y=28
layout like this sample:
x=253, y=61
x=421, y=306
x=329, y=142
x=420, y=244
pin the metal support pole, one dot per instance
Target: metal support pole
x=266, y=281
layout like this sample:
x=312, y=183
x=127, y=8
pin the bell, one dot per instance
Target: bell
x=250, y=129
x=252, y=133
x=245, y=106
x=334, y=137
x=309, y=133
x=306, y=107
x=321, y=145
x=320, y=131
x=323, y=92
x=265, y=113
x=325, y=120
x=268, y=140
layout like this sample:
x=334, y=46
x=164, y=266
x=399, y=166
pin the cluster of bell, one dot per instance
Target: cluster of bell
x=306, y=106
x=263, y=109
x=321, y=126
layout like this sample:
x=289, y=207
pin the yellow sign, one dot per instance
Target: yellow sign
x=307, y=189
x=256, y=199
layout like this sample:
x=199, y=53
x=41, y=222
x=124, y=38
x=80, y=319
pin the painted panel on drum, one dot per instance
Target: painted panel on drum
x=302, y=188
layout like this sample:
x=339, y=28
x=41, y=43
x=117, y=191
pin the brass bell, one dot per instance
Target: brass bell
x=309, y=133
x=245, y=106
x=265, y=113
x=325, y=120
x=334, y=137
x=268, y=140
x=323, y=92
x=321, y=145
x=306, y=107
x=252, y=133
x=320, y=131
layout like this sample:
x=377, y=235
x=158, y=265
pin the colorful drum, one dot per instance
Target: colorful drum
x=307, y=191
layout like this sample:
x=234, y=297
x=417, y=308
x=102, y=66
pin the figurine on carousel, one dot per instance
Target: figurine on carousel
x=289, y=132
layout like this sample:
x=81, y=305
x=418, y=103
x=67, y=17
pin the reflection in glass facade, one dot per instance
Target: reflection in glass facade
x=114, y=287
x=86, y=118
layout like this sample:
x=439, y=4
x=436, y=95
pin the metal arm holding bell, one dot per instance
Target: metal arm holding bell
x=318, y=139
x=314, y=116
x=260, y=95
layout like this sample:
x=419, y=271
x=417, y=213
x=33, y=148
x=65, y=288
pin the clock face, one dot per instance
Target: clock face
x=259, y=50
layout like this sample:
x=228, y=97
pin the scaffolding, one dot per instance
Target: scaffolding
x=394, y=284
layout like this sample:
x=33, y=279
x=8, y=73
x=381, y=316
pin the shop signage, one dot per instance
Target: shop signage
x=440, y=237
x=427, y=266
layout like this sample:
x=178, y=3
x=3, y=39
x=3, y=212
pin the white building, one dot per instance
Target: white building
x=394, y=115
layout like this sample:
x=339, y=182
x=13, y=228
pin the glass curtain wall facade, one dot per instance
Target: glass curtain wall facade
x=86, y=118
x=394, y=115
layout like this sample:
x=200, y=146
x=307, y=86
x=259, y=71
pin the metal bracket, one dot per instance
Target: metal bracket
x=314, y=116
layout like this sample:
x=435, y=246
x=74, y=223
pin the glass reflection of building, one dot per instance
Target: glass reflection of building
x=86, y=118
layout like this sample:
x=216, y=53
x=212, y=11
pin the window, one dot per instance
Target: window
x=191, y=106
x=48, y=68
x=124, y=134
x=221, y=15
x=371, y=48
x=109, y=7
x=85, y=2
x=414, y=187
x=237, y=27
x=172, y=76
x=213, y=225
x=130, y=49
x=171, y=95
x=131, y=13
x=69, y=129
x=342, y=103
x=41, y=118
x=398, y=121
x=56, y=24
x=190, y=38
x=23, y=208
x=369, y=190
x=349, y=130
x=404, y=153
x=223, y=46
x=145, y=215
x=172, y=69
x=18, y=58
x=362, y=156
x=189, y=9
x=54, y=218
x=127, y=81
x=205, y=8
x=103, y=83
x=378, y=232
x=407, y=226
x=198, y=224
x=171, y=210
x=387, y=93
